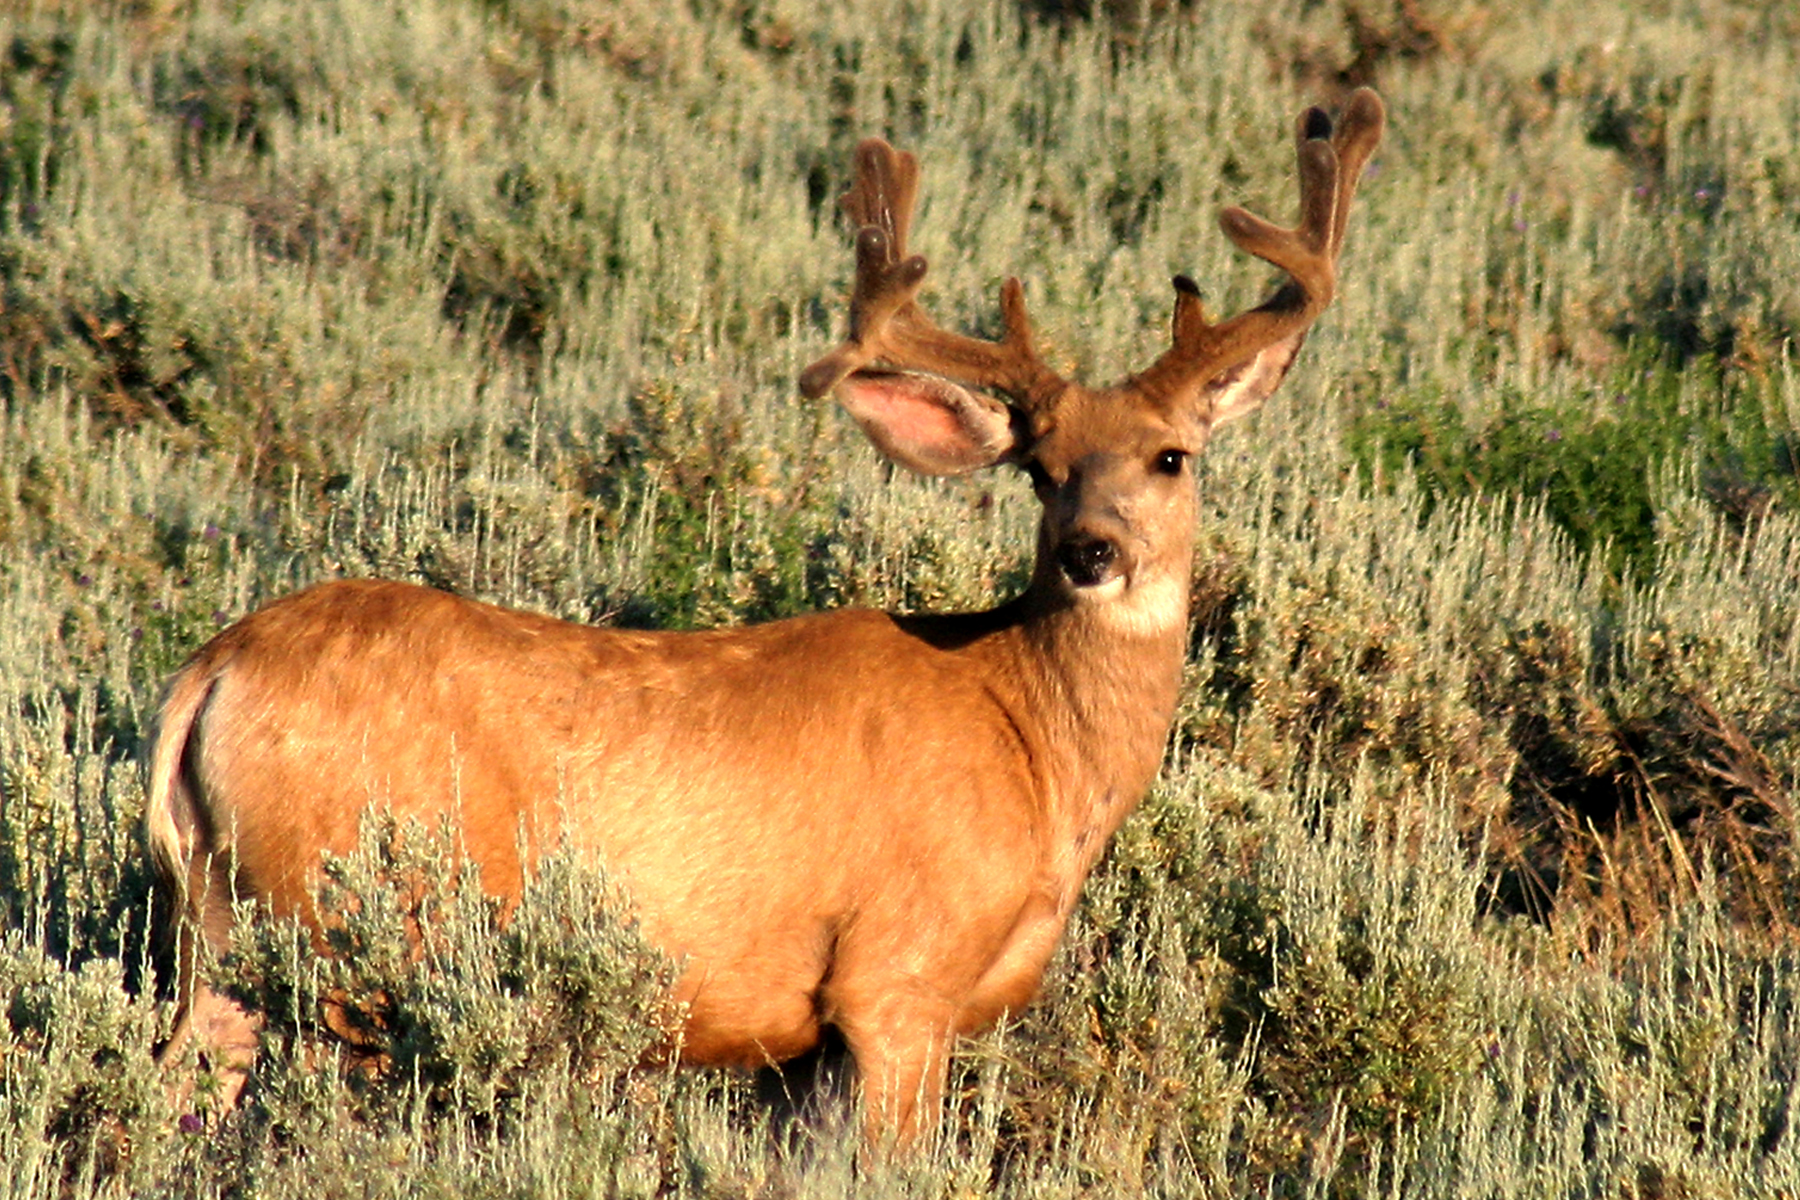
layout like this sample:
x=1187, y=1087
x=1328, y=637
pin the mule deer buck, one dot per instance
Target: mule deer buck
x=855, y=819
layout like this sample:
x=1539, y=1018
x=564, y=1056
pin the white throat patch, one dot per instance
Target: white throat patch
x=1148, y=609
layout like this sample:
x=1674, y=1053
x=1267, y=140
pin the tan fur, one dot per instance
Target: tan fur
x=875, y=822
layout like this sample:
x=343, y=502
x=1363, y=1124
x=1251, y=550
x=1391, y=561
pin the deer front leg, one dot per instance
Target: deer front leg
x=900, y=1041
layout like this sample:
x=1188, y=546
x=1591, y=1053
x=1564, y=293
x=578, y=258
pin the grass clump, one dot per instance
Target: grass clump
x=1366, y=1006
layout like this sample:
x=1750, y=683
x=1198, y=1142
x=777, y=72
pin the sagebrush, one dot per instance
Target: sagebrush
x=1471, y=870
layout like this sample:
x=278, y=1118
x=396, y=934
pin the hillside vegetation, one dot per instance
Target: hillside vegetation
x=1473, y=868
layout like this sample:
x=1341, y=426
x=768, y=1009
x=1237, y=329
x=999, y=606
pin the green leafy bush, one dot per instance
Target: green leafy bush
x=1593, y=461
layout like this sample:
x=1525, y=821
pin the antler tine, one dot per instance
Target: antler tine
x=1358, y=133
x=886, y=188
x=887, y=326
x=1330, y=165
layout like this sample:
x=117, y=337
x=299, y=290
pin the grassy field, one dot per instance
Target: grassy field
x=1472, y=871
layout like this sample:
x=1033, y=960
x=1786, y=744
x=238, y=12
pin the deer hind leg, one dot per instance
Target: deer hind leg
x=222, y=1033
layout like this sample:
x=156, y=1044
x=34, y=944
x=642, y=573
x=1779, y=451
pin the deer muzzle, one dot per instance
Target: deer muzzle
x=1087, y=561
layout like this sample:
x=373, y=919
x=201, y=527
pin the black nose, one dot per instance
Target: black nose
x=1084, y=563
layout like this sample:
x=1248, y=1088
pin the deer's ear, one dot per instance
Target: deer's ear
x=1242, y=390
x=930, y=425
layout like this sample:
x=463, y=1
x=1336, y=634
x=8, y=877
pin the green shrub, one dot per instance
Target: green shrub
x=428, y=984
x=1592, y=461
x=78, y=1086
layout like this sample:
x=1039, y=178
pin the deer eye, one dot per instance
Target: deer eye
x=1169, y=462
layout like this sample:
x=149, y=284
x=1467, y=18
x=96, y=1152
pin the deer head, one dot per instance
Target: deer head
x=1109, y=464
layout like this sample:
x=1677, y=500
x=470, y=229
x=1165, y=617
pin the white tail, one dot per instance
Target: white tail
x=856, y=819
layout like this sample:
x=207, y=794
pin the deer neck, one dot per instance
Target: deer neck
x=1095, y=687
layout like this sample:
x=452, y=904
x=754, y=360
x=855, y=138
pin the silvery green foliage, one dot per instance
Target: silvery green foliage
x=429, y=983
x=77, y=1083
